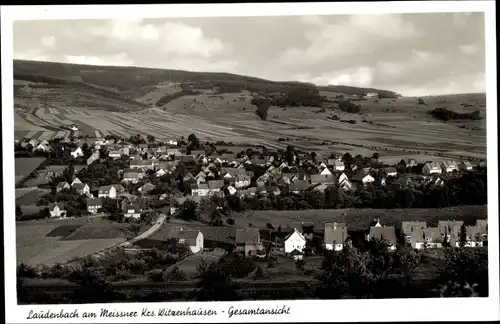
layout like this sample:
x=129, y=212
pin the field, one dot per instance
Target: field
x=49, y=242
x=189, y=264
x=121, y=101
x=29, y=196
x=359, y=219
x=24, y=166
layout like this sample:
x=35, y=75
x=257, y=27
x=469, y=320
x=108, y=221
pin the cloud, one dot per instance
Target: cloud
x=48, y=42
x=407, y=53
x=114, y=60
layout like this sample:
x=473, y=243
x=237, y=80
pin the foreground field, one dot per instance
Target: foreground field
x=359, y=219
x=51, y=242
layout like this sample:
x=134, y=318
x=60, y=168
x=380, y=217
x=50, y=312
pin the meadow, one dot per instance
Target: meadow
x=59, y=241
x=24, y=166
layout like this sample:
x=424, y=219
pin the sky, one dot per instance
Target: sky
x=413, y=54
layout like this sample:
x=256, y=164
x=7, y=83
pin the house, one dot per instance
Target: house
x=62, y=185
x=465, y=166
x=146, y=188
x=407, y=163
x=242, y=181
x=387, y=233
x=75, y=181
x=408, y=227
x=42, y=147
x=299, y=186
x=56, y=210
x=295, y=241
x=229, y=173
x=174, y=152
x=141, y=164
x=390, y=172
x=77, y=152
x=133, y=209
x=161, y=172
x=248, y=241
x=323, y=179
x=74, y=128
x=363, y=177
x=94, y=157
x=115, y=154
x=273, y=190
x=449, y=166
x=335, y=236
x=33, y=143
x=429, y=237
x=231, y=190
x=200, y=189
x=371, y=95
x=119, y=188
x=431, y=168
x=172, y=142
x=297, y=255
x=344, y=183
x=132, y=176
x=81, y=188
x=451, y=230
x=215, y=186
x=474, y=237
x=325, y=172
x=200, y=174
x=93, y=205
x=193, y=239
x=107, y=192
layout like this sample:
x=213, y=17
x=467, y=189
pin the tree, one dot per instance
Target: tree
x=150, y=138
x=376, y=155
x=299, y=264
x=462, y=236
x=214, y=284
x=19, y=212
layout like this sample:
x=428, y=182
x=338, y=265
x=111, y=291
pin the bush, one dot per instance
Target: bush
x=230, y=221
x=421, y=101
x=155, y=275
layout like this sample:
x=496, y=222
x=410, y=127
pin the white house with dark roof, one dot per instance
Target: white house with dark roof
x=335, y=236
x=432, y=168
x=408, y=227
x=248, y=241
x=93, y=205
x=338, y=165
x=363, y=177
x=75, y=181
x=449, y=166
x=132, y=176
x=295, y=241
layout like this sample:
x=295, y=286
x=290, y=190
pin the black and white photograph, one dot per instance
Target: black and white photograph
x=163, y=159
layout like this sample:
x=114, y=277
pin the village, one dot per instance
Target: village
x=145, y=186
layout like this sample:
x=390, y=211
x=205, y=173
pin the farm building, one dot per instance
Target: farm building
x=432, y=168
x=449, y=166
x=75, y=181
x=93, y=205
x=193, y=239
x=295, y=241
x=335, y=236
x=465, y=166
x=248, y=241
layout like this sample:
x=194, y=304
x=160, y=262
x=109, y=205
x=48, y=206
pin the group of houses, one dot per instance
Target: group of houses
x=230, y=175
